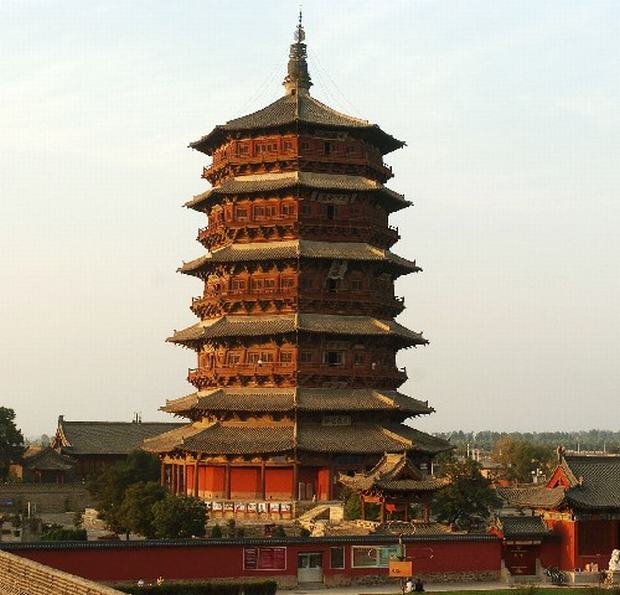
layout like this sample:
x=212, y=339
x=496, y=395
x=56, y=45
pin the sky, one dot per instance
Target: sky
x=510, y=110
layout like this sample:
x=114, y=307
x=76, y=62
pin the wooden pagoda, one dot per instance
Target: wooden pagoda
x=296, y=378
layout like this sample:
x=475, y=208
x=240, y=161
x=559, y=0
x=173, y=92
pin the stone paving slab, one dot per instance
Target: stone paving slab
x=387, y=589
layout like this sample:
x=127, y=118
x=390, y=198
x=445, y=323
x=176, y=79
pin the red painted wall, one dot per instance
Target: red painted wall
x=278, y=483
x=323, y=484
x=550, y=554
x=244, y=482
x=568, y=544
x=110, y=563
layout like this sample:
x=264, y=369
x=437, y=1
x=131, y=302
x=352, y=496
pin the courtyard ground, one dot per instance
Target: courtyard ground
x=491, y=588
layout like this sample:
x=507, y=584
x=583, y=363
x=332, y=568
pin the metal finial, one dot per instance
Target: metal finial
x=300, y=35
x=298, y=78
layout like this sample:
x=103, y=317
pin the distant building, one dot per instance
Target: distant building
x=93, y=444
x=580, y=504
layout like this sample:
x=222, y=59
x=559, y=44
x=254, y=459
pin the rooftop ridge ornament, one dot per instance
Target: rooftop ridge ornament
x=297, y=78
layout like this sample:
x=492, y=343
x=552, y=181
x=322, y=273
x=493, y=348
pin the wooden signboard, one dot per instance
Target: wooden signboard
x=401, y=569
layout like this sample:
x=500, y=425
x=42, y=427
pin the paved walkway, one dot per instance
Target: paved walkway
x=394, y=589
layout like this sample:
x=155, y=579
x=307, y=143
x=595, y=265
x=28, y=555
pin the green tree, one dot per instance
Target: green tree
x=469, y=499
x=136, y=509
x=519, y=459
x=11, y=441
x=108, y=487
x=179, y=517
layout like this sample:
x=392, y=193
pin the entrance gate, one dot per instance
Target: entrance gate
x=310, y=567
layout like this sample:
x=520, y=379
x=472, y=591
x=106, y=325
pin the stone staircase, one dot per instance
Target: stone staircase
x=320, y=516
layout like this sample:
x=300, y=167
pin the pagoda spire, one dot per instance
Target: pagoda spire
x=298, y=78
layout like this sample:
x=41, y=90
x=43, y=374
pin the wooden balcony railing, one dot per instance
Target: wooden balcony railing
x=253, y=369
x=354, y=371
x=280, y=157
x=199, y=375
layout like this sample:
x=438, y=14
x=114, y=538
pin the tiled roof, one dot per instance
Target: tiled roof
x=594, y=484
x=393, y=473
x=367, y=438
x=234, y=399
x=252, y=326
x=172, y=439
x=225, y=439
x=532, y=496
x=47, y=459
x=597, y=482
x=296, y=108
x=246, y=439
x=335, y=399
x=304, y=399
x=293, y=249
x=522, y=526
x=242, y=439
x=105, y=437
x=413, y=485
x=260, y=183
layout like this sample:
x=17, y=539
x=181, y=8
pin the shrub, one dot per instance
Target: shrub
x=216, y=532
x=279, y=532
x=64, y=534
x=201, y=588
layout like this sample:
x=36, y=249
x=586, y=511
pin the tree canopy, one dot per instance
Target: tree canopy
x=109, y=486
x=136, y=509
x=179, y=517
x=468, y=501
x=519, y=460
x=11, y=441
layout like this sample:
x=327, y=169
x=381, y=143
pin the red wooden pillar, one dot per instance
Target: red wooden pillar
x=295, y=480
x=426, y=511
x=196, y=478
x=262, y=480
x=227, y=481
x=162, y=474
x=330, y=481
x=185, y=490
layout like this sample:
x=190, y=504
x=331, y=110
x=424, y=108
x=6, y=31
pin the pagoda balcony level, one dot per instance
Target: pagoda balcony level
x=370, y=303
x=366, y=301
x=288, y=162
x=367, y=376
x=288, y=374
x=276, y=227
x=278, y=373
x=351, y=229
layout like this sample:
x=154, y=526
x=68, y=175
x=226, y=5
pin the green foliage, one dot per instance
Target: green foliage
x=519, y=459
x=584, y=439
x=136, y=509
x=11, y=441
x=352, y=506
x=303, y=532
x=469, y=499
x=279, y=532
x=108, y=487
x=201, y=588
x=179, y=517
x=64, y=534
x=216, y=532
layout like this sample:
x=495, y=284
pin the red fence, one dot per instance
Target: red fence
x=343, y=559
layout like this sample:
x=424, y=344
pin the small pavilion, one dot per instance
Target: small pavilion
x=394, y=483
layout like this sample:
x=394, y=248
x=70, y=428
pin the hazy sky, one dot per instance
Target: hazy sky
x=510, y=112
